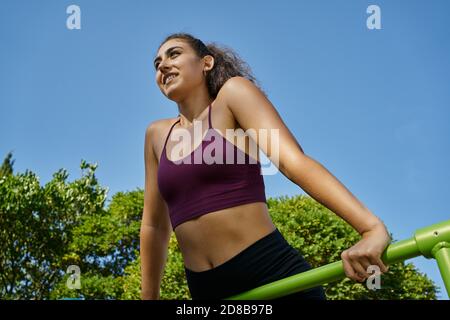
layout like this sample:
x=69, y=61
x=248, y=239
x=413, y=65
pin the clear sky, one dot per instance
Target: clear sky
x=371, y=105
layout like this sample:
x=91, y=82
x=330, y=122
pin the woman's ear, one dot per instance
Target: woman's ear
x=209, y=62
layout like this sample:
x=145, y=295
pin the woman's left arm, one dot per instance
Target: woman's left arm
x=318, y=182
x=253, y=110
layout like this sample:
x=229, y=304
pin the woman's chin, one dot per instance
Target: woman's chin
x=172, y=94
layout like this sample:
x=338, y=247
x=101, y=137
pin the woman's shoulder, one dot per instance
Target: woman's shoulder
x=160, y=124
x=237, y=82
x=238, y=87
x=158, y=128
x=230, y=85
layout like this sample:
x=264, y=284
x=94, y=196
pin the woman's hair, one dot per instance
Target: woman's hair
x=227, y=63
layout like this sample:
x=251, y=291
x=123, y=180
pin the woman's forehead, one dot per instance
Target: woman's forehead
x=172, y=43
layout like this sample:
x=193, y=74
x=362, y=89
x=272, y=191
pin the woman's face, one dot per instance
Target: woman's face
x=178, y=58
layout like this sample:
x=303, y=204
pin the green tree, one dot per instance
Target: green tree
x=36, y=228
x=7, y=165
x=106, y=248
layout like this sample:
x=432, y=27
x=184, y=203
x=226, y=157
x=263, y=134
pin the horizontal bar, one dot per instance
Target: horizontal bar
x=399, y=251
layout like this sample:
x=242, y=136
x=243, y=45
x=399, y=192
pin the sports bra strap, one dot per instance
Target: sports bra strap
x=209, y=117
x=167, y=138
x=173, y=125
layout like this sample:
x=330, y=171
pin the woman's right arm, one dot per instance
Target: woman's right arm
x=156, y=228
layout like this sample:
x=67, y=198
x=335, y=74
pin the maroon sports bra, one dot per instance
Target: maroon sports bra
x=192, y=188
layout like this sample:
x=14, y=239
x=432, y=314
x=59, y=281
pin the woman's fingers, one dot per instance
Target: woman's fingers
x=364, y=258
x=377, y=261
x=357, y=266
x=353, y=270
x=349, y=272
x=359, y=269
x=365, y=264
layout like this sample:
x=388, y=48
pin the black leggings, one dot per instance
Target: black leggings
x=268, y=259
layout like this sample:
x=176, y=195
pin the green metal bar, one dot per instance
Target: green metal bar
x=442, y=256
x=423, y=243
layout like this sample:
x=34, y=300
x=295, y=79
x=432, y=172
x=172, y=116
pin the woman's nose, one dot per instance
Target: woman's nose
x=163, y=66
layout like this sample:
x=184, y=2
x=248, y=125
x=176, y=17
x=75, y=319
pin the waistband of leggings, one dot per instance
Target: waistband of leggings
x=275, y=234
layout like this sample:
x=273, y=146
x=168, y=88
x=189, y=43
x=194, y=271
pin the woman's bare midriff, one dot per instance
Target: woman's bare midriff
x=214, y=238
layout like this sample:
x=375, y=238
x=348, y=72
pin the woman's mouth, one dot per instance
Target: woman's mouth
x=170, y=79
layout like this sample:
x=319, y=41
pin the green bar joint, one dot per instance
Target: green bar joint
x=427, y=238
x=438, y=247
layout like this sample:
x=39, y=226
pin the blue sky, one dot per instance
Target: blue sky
x=371, y=105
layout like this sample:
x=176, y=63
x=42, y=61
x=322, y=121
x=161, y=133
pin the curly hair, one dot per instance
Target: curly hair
x=227, y=63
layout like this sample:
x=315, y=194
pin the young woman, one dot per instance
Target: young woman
x=218, y=210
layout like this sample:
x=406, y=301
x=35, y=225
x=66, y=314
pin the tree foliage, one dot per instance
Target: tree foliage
x=37, y=228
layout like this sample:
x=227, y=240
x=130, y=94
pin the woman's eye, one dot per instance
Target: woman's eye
x=171, y=54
